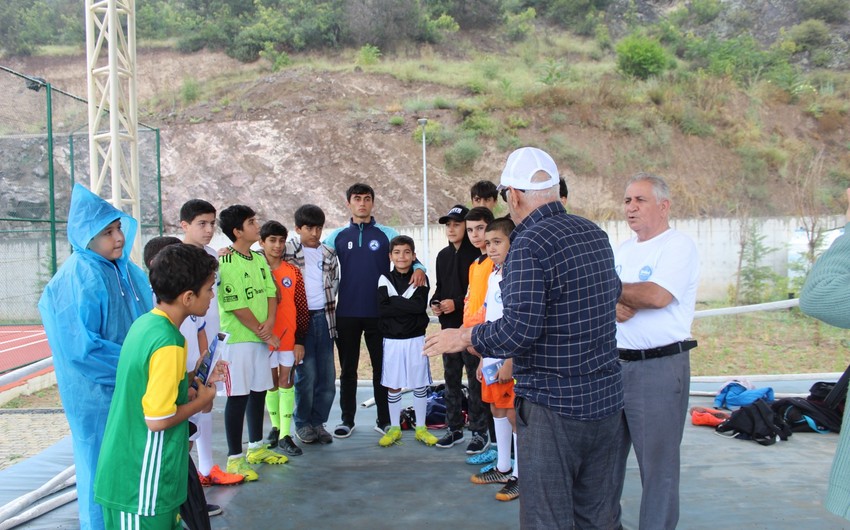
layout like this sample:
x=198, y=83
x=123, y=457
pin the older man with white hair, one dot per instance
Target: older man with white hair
x=559, y=293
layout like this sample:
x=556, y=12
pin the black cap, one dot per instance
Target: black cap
x=457, y=213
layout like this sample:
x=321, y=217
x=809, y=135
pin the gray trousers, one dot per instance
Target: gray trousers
x=656, y=403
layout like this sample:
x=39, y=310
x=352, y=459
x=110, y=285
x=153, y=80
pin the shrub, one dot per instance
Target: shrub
x=519, y=26
x=398, y=121
x=277, y=59
x=641, y=57
x=190, y=90
x=463, y=154
x=434, y=134
x=367, y=55
x=833, y=11
x=705, y=10
x=480, y=123
x=810, y=34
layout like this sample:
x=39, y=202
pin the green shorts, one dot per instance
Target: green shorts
x=118, y=520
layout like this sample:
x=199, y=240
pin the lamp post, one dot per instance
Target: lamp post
x=422, y=123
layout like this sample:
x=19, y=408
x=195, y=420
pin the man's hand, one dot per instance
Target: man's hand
x=418, y=278
x=448, y=340
x=625, y=312
x=298, y=352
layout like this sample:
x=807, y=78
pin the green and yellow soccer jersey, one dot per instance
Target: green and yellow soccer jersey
x=141, y=471
x=245, y=283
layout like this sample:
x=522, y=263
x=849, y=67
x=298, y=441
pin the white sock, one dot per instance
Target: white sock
x=204, y=443
x=420, y=405
x=394, y=403
x=503, y=443
x=516, y=459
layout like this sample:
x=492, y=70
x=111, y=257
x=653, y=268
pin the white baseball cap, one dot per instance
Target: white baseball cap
x=523, y=164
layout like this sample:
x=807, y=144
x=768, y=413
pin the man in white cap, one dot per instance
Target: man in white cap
x=559, y=293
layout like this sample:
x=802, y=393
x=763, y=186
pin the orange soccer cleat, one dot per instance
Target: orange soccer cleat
x=217, y=477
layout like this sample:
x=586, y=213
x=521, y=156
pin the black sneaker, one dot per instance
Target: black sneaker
x=381, y=429
x=323, y=435
x=273, y=437
x=213, y=510
x=480, y=443
x=289, y=448
x=307, y=434
x=449, y=439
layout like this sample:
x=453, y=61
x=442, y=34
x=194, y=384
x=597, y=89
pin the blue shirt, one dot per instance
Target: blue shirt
x=560, y=294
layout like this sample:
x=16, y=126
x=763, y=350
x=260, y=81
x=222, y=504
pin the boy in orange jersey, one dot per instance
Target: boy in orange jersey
x=473, y=313
x=291, y=322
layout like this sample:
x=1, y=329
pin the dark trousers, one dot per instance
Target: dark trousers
x=479, y=412
x=349, y=330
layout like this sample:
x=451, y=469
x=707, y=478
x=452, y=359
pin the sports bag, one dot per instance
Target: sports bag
x=803, y=415
x=756, y=422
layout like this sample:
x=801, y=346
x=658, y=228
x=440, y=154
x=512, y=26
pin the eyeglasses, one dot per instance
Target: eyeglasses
x=504, y=193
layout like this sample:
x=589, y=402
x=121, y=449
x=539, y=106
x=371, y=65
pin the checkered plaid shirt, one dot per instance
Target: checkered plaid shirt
x=560, y=292
x=294, y=253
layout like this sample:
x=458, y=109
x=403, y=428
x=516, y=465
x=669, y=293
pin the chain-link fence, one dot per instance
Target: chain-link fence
x=44, y=150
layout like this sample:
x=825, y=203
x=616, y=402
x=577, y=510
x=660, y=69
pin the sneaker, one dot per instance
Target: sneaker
x=392, y=436
x=480, y=442
x=217, y=477
x=343, y=431
x=265, y=455
x=381, y=429
x=289, y=447
x=213, y=510
x=239, y=466
x=306, y=434
x=449, y=439
x=483, y=458
x=273, y=437
x=494, y=476
x=323, y=435
x=422, y=435
x=509, y=491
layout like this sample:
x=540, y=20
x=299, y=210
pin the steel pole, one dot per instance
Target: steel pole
x=424, y=259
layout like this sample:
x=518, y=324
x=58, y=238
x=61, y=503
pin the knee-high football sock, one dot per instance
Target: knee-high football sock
x=420, y=404
x=273, y=406
x=394, y=402
x=287, y=407
x=504, y=441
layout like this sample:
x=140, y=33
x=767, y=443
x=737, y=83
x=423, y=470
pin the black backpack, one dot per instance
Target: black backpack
x=756, y=422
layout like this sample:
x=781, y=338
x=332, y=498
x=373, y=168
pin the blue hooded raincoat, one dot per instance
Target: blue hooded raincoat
x=87, y=309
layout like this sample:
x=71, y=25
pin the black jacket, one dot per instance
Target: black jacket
x=401, y=308
x=453, y=279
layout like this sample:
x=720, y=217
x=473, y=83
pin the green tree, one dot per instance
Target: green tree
x=641, y=57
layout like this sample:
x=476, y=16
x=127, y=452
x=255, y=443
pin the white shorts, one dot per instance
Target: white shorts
x=249, y=368
x=404, y=364
x=281, y=358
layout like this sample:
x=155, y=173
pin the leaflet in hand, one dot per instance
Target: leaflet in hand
x=211, y=356
x=491, y=372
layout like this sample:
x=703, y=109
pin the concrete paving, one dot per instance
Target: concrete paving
x=354, y=483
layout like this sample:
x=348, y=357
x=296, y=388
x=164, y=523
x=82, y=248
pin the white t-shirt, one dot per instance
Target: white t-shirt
x=313, y=281
x=493, y=304
x=210, y=323
x=671, y=261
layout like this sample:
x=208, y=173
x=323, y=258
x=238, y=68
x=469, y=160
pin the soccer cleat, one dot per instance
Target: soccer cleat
x=509, y=491
x=217, y=477
x=239, y=466
x=264, y=455
x=480, y=442
x=393, y=436
x=323, y=435
x=307, y=434
x=289, y=447
x=422, y=435
x=274, y=436
x=449, y=439
x=482, y=458
x=213, y=510
x=494, y=476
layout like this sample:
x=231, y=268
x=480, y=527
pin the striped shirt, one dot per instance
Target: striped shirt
x=560, y=293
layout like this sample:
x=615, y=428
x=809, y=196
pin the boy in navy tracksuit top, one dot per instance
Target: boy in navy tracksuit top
x=363, y=251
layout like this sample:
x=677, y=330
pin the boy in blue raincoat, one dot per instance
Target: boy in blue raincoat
x=87, y=309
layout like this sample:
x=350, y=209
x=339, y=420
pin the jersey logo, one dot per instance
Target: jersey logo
x=499, y=296
x=286, y=282
x=229, y=295
x=645, y=273
x=374, y=245
x=350, y=245
x=246, y=275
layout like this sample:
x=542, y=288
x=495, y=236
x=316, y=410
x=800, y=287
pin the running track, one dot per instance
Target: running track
x=21, y=345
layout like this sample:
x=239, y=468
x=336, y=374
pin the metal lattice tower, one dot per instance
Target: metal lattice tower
x=112, y=108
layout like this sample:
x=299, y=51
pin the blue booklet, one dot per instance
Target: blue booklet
x=491, y=372
x=211, y=357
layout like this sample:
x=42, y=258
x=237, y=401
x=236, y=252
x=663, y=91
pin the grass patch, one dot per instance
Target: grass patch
x=462, y=154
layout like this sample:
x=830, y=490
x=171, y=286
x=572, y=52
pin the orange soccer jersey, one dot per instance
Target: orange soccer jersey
x=292, y=316
x=473, y=302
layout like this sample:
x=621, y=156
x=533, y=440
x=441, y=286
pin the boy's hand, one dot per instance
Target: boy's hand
x=206, y=394
x=435, y=308
x=264, y=331
x=506, y=373
x=219, y=372
x=479, y=373
x=298, y=352
x=418, y=278
x=447, y=306
x=224, y=251
x=274, y=342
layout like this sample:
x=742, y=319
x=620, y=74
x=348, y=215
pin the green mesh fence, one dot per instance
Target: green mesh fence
x=44, y=149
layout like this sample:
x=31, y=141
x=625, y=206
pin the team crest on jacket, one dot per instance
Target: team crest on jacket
x=374, y=245
x=645, y=273
x=286, y=281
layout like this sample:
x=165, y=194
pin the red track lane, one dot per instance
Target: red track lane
x=22, y=345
